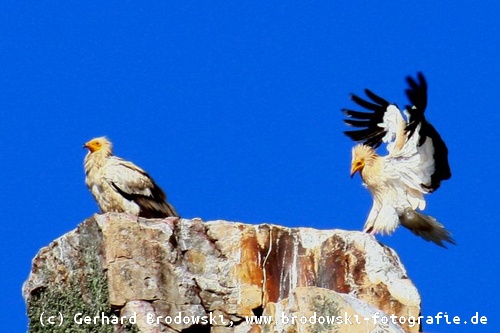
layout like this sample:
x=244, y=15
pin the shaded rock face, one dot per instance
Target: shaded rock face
x=120, y=273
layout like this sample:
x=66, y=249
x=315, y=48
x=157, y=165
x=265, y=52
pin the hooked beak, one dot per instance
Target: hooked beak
x=355, y=169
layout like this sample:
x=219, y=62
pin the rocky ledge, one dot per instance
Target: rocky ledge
x=120, y=273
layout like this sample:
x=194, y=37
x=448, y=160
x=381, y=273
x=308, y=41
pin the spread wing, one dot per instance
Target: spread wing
x=384, y=124
x=136, y=185
x=412, y=169
x=415, y=148
x=430, y=145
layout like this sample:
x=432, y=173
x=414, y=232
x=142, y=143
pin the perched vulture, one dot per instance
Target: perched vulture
x=416, y=164
x=121, y=186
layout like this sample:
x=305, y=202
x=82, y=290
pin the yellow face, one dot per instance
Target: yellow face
x=94, y=145
x=361, y=156
x=357, y=165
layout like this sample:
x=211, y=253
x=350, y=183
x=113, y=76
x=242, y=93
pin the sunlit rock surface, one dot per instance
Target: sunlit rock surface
x=165, y=275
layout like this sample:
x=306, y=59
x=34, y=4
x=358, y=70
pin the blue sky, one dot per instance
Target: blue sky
x=234, y=109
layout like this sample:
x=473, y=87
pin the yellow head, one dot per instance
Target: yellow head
x=361, y=155
x=98, y=144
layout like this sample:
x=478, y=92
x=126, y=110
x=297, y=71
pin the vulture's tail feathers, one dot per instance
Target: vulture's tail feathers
x=155, y=209
x=426, y=226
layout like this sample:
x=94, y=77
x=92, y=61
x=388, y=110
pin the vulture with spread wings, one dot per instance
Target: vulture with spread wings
x=121, y=186
x=416, y=163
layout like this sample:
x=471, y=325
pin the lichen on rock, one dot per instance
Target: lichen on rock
x=67, y=279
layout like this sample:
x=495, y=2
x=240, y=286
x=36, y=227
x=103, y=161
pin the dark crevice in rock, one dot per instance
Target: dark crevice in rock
x=258, y=311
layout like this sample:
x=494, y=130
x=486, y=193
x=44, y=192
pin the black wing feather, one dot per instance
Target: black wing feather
x=357, y=123
x=370, y=133
x=417, y=94
x=154, y=206
x=151, y=206
x=357, y=114
x=377, y=99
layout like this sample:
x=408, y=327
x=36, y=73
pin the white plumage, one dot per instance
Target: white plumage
x=121, y=186
x=416, y=163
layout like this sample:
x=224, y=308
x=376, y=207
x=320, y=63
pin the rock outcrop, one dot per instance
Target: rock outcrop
x=120, y=273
